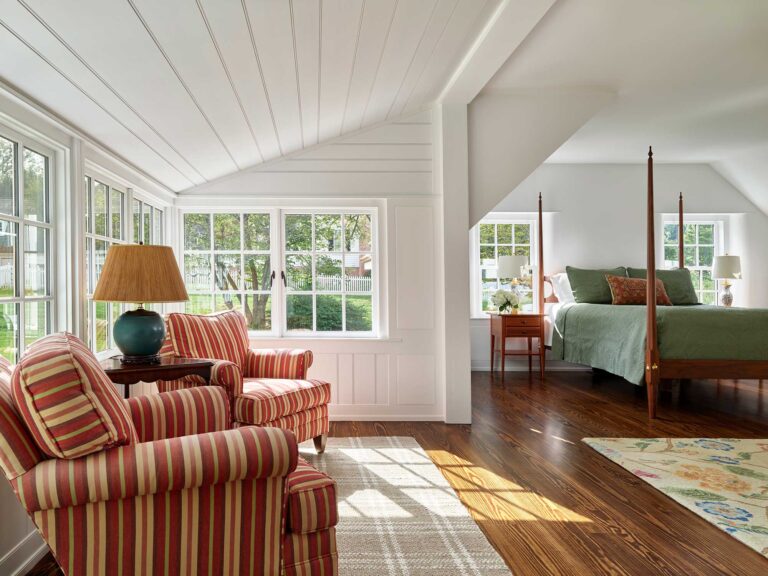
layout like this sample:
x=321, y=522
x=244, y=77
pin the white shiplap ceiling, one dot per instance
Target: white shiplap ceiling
x=191, y=90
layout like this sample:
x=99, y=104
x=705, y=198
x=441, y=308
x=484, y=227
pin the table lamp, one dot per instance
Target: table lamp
x=140, y=275
x=512, y=266
x=727, y=268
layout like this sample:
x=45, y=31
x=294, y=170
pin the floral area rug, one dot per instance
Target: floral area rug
x=723, y=480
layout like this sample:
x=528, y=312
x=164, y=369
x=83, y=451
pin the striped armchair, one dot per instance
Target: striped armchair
x=266, y=387
x=189, y=497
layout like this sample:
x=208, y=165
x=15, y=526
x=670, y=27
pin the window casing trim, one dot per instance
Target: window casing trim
x=475, y=291
x=277, y=253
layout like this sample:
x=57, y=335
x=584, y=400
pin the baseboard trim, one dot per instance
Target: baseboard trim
x=385, y=418
x=513, y=367
x=23, y=557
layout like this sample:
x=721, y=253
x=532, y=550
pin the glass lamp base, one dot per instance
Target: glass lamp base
x=727, y=298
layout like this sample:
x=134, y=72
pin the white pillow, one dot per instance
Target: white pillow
x=562, y=288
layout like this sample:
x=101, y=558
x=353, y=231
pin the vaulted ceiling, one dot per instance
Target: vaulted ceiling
x=191, y=90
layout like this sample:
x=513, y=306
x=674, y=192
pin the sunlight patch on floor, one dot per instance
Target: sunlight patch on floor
x=492, y=497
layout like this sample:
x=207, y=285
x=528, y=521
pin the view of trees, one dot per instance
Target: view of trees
x=228, y=265
x=503, y=239
x=32, y=206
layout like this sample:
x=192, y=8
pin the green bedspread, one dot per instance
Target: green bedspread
x=612, y=338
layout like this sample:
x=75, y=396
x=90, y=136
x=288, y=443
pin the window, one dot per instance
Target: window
x=500, y=237
x=702, y=242
x=288, y=272
x=147, y=223
x=106, y=223
x=26, y=300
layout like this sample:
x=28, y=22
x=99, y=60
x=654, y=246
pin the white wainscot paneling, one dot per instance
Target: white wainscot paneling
x=326, y=367
x=346, y=379
x=415, y=253
x=382, y=378
x=416, y=380
x=365, y=379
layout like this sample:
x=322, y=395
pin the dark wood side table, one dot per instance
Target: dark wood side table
x=169, y=368
x=524, y=325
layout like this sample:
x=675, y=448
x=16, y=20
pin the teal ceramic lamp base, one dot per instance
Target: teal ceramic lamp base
x=139, y=335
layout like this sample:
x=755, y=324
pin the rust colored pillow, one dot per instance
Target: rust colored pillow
x=632, y=290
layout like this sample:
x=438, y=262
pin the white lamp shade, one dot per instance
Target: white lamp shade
x=727, y=268
x=510, y=266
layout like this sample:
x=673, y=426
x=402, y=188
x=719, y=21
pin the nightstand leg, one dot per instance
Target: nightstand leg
x=542, y=356
x=126, y=391
x=503, y=354
x=493, y=349
x=530, y=355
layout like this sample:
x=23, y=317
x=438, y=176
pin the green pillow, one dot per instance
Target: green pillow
x=677, y=283
x=590, y=286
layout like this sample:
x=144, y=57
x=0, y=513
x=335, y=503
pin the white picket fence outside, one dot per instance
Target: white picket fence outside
x=33, y=271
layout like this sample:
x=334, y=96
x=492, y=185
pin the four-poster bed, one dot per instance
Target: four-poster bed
x=648, y=343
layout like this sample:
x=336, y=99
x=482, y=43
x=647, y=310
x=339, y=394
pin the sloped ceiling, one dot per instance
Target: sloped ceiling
x=192, y=90
x=691, y=79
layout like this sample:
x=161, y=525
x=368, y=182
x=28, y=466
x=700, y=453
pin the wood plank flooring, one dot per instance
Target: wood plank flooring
x=550, y=504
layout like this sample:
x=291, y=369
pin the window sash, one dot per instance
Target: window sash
x=479, y=291
x=278, y=253
x=706, y=289
x=21, y=224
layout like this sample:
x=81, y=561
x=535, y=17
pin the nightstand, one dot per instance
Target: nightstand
x=526, y=325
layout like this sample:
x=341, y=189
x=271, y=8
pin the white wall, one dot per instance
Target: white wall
x=396, y=376
x=595, y=217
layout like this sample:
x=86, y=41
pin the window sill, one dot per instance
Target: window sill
x=316, y=338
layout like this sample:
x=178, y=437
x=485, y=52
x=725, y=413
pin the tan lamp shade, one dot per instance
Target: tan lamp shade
x=727, y=268
x=140, y=274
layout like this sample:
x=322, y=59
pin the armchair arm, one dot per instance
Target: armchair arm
x=223, y=373
x=162, y=466
x=180, y=413
x=292, y=364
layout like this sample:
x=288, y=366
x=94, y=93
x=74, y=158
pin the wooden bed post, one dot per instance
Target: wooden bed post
x=541, y=258
x=680, y=243
x=651, y=345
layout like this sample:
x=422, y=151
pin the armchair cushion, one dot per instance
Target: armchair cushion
x=160, y=466
x=311, y=500
x=18, y=452
x=277, y=363
x=220, y=336
x=266, y=400
x=67, y=401
x=180, y=413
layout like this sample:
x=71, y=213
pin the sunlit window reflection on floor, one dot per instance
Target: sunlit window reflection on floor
x=413, y=481
x=372, y=504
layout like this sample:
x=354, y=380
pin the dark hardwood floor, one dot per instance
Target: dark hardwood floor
x=550, y=504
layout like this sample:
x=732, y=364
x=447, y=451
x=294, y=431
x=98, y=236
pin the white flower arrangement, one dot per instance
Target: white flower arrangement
x=505, y=300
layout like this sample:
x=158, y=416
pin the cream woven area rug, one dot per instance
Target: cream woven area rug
x=397, y=513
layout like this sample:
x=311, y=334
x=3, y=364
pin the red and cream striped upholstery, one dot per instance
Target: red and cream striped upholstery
x=265, y=400
x=310, y=554
x=18, y=452
x=311, y=500
x=67, y=401
x=269, y=386
x=277, y=363
x=161, y=466
x=172, y=414
x=223, y=336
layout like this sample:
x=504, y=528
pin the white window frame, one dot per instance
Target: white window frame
x=96, y=172
x=475, y=272
x=277, y=260
x=23, y=142
x=720, y=223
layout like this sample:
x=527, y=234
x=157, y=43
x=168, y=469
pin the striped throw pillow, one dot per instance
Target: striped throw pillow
x=67, y=401
x=220, y=336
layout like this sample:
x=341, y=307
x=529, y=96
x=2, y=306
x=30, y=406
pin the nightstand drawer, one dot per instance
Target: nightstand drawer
x=520, y=331
x=525, y=321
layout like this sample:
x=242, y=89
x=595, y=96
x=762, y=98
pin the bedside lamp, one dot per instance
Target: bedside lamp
x=141, y=275
x=512, y=266
x=727, y=268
